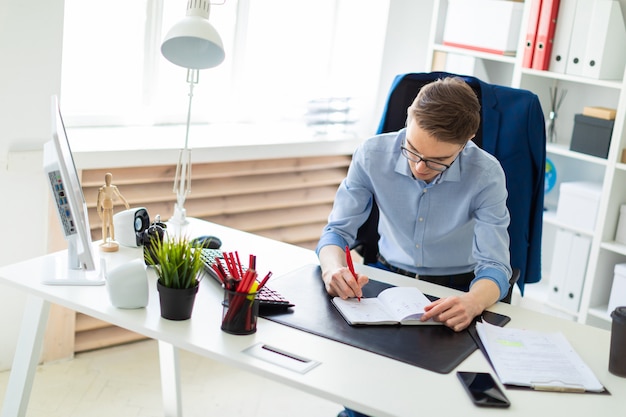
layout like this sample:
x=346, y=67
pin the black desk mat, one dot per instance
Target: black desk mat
x=435, y=348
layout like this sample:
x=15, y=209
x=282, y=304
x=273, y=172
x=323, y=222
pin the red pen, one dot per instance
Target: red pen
x=264, y=280
x=351, y=265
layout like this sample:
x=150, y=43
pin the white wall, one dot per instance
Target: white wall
x=30, y=47
x=406, y=45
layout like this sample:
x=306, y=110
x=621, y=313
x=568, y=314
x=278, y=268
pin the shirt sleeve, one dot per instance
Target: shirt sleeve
x=353, y=203
x=491, y=237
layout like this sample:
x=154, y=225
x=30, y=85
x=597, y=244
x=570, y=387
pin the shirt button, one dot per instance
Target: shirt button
x=421, y=219
x=417, y=246
x=424, y=190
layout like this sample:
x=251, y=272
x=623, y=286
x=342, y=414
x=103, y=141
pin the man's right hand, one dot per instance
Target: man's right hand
x=338, y=279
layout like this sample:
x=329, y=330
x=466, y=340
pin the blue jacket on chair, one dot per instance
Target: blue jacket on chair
x=513, y=130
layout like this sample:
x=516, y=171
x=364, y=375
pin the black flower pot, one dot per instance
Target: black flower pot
x=176, y=303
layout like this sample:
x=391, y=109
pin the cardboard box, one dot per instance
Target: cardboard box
x=600, y=112
x=485, y=25
x=591, y=135
x=578, y=204
x=618, y=289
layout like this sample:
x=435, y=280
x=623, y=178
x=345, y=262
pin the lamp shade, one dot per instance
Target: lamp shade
x=193, y=42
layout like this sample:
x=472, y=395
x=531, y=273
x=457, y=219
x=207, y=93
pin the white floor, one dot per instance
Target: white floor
x=124, y=381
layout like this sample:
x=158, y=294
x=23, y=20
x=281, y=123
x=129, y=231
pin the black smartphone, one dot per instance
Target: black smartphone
x=483, y=389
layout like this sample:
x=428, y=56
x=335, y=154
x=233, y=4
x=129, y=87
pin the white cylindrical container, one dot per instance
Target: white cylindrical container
x=127, y=285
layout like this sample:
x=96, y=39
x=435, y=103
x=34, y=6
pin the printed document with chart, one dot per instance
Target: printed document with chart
x=539, y=360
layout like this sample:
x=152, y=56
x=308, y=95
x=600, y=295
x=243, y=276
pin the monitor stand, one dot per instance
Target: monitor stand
x=65, y=273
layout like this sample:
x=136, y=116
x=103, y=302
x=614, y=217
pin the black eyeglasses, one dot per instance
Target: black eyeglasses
x=413, y=157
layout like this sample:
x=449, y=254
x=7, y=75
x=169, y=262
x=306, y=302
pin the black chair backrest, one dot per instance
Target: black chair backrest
x=403, y=92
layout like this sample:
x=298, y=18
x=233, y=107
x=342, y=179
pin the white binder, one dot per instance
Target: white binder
x=578, y=39
x=577, y=268
x=569, y=266
x=558, y=270
x=606, y=44
x=562, y=34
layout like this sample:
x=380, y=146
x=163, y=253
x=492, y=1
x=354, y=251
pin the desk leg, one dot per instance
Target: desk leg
x=170, y=380
x=26, y=357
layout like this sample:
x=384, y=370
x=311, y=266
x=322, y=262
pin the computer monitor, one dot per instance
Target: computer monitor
x=71, y=208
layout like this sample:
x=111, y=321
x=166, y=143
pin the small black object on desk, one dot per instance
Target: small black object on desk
x=208, y=242
x=155, y=231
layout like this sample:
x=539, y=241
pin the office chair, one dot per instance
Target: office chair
x=512, y=128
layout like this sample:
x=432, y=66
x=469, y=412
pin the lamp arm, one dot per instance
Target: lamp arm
x=182, y=179
x=192, y=78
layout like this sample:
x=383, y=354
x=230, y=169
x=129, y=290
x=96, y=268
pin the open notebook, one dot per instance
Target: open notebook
x=395, y=305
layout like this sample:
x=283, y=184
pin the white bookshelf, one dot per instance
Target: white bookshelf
x=570, y=165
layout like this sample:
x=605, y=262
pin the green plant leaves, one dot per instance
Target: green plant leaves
x=176, y=260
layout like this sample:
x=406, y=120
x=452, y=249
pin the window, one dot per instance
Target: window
x=286, y=61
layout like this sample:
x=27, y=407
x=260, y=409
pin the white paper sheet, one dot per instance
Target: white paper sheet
x=543, y=361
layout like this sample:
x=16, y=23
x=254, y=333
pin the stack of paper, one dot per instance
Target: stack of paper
x=542, y=361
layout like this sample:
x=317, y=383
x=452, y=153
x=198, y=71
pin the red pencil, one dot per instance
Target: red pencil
x=269, y=274
x=245, y=285
x=351, y=265
x=238, y=264
x=232, y=265
x=218, y=272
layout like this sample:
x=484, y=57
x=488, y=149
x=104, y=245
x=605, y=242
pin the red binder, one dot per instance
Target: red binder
x=531, y=33
x=545, y=34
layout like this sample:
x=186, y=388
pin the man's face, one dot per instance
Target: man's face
x=439, y=155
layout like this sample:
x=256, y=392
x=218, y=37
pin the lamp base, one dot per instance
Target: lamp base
x=180, y=215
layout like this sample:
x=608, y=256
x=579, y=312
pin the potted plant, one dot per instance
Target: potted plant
x=178, y=263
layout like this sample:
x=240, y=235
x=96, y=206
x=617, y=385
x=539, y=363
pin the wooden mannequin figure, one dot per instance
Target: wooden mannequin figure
x=106, y=197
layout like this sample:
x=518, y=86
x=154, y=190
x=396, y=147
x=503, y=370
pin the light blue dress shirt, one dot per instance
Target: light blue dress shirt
x=457, y=223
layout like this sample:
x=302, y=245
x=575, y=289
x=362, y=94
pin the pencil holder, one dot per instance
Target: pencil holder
x=239, y=312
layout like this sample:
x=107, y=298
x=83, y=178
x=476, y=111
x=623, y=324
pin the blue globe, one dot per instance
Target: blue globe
x=550, y=179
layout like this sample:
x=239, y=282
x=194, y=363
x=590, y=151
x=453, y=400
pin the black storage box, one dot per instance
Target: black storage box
x=591, y=135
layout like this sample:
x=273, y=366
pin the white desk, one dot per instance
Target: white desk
x=361, y=380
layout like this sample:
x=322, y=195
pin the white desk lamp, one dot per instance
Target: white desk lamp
x=192, y=43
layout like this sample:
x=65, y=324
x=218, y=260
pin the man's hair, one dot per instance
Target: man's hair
x=447, y=109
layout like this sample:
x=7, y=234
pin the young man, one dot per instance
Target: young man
x=442, y=205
